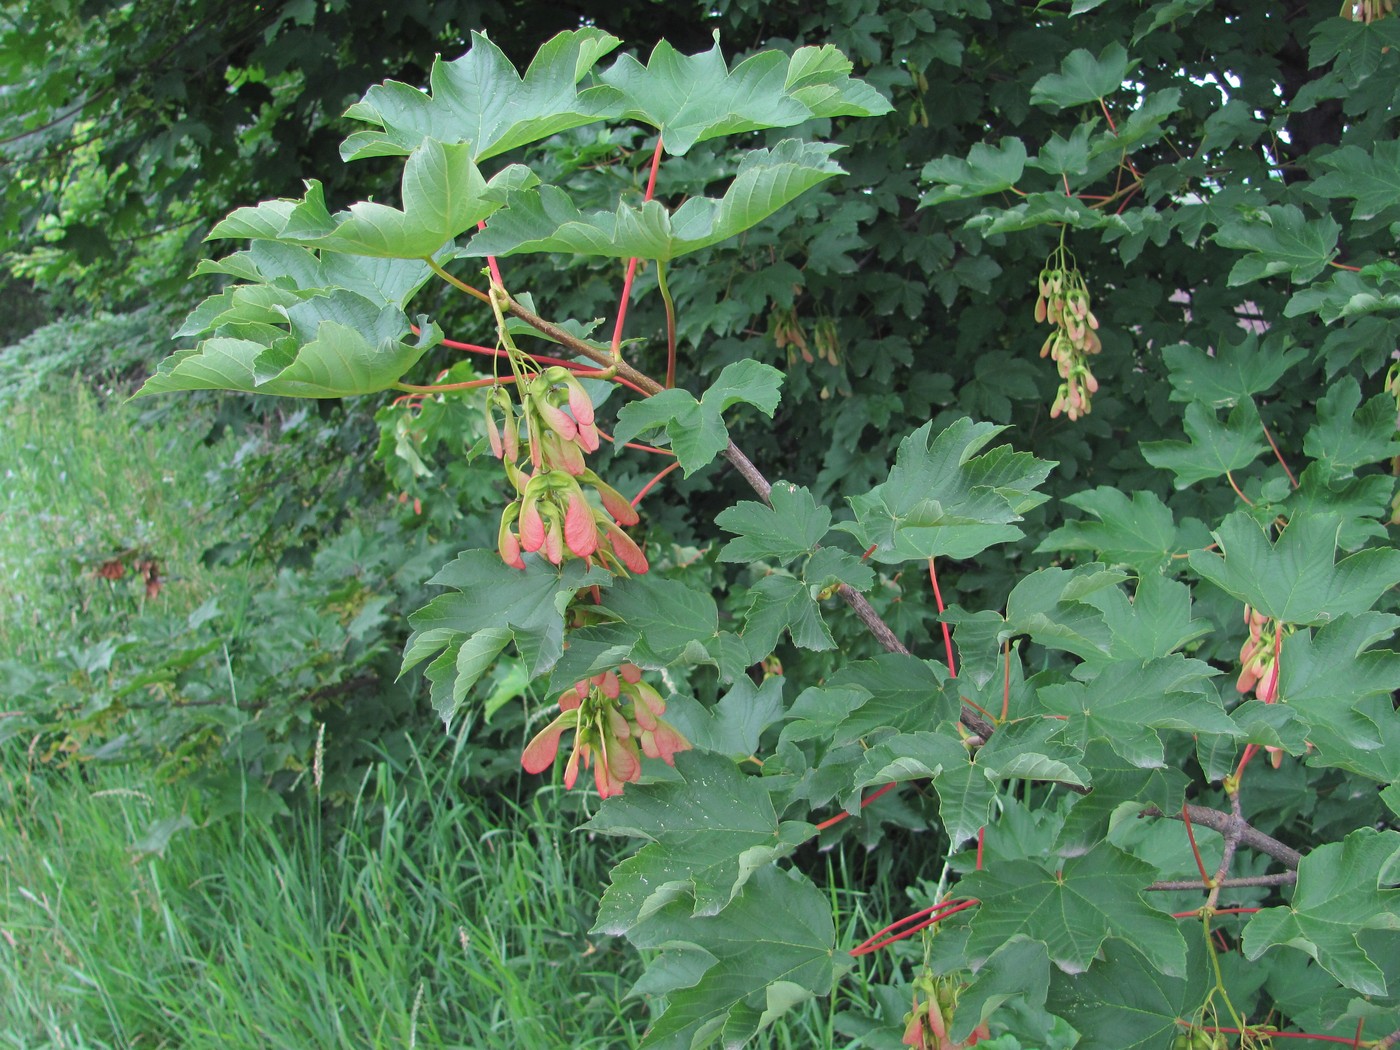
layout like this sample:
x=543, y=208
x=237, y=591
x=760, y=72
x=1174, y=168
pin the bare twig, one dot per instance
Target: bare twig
x=1248, y=835
x=1284, y=878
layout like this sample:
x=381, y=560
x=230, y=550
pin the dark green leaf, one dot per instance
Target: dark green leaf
x=1341, y=891
x=1232, y=374
x=791, y=527
x=1279, y=239
x=781, y=603
x=1083, y=78
x=1347, y=435
x=1214, y=448
x=1139, y=533
x=1296, y=580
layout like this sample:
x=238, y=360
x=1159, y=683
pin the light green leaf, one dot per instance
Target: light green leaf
x=733, y=726
x=1125, y=1002
x=1340, y=892
x=1017, y=971
x=546, y=220
x=481, y=101
x=692, y=98
x=943, y=499
x=1084, y=78
x=695, y=428
x=986, y=170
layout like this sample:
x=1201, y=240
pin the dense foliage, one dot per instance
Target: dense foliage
x=1125, y=670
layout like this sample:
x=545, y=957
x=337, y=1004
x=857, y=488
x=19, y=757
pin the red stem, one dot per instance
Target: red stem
x=947, y=635
x=833, y=821
x=652, y=483
x=491, y=261
x=1195, y=851
x=870, y=944
x=981, y=836
x=584, y=371
x=1278, y=455
x=632, y=263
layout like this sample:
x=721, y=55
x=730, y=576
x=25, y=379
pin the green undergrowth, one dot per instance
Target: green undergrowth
x=425, y=917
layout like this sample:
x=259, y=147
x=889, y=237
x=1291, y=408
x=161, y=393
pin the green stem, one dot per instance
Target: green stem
x=665, y=291
x=455, y=282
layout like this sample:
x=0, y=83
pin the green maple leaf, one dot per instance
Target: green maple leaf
x=1372, y=179
x=733, y=726
x=1296, y=580
x=1345, y=295
x=1084, y=78
x=1234, y=373
x=1279, y=240
x=788, y=529
x=336, y=345
x=544, y=219
x=1017, y=971
x=1348, y=435
x=964, y=792
x=666, y=618
x=696, y=428
x=1339, y=893
x=1032, y=749
x=728, y=976
x=1213, y=449
x=943, y=499
x=1155, y=623
x=1138, y=532
x=829, y=566
x=1125, y=1002
x=782, y=603
x=1049, y=605
x=1072, y=907
x=1324, y=675
x=383, y=281
x=892, y=690
x=492, y=604
x=692, y=98
x=710, y=830
x=481, y=101
x=1127, y=702
x=987, y=169
x=443, y=195
x=1358, y=48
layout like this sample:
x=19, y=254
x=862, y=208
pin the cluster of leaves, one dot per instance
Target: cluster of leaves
x=1098, y=584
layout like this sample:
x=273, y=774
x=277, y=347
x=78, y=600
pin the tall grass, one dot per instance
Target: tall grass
x=427, y=918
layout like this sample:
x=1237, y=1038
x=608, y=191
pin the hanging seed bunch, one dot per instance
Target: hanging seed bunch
x=1063, y=302
x=926, y=1026
x=1259, y=664
x=1366, y=11
x=616, y=718
x=551, y=515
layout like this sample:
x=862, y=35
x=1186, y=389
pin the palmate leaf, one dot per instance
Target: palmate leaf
x=892, y=690
x=1124, y=1002
x=1139, y=533
x=1072, y=906
x=986, y=170
x=733, y=726
x=491, y=604
x=1214, y=449
x=943, y=499
x=710, y=830
x=336, y=345
x=1279, y=240
x=692, y=98
x=1347, y=434
x=1372, y=179
x=1325, y=675
x=546, y=220
x=1084, y=78
x=1340, y=892
x=726, y=977
x=787, y=529
x=1126, y=703
x=696, y=428
x=1296, y=580
x=779, y=603
x=443, y=195
x=1233, y=373
x=386, y=282
x=481, y=101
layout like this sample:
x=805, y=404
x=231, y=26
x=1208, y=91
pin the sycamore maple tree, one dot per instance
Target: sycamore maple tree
x=1095, y=753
